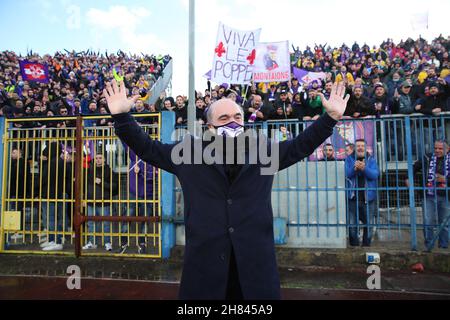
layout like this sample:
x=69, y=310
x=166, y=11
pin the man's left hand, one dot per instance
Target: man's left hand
x=362, y=166
x=336, y=104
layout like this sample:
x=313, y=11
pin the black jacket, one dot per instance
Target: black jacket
x=18, y=186
x=220, y=216
x=431, y=102
x=363, y=106
x=108, y=185
x=56, y=179
x=420, y=170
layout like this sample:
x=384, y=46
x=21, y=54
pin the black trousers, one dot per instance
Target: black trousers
x=234, y=291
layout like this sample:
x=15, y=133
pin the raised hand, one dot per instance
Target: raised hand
x=336, y=104
x=116, y=98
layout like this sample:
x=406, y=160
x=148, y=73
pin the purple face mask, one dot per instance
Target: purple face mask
x=230, y=130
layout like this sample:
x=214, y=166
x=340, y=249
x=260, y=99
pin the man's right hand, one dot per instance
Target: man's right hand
x=436, y=111
x=116, y=98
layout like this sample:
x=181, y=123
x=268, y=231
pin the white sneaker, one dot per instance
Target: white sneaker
x=53, y=247
x=47, y=243
x=16, y=236
x=89, y=246
x=108, y=246
x=42, y=236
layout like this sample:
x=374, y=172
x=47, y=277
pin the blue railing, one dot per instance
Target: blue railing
x=310, y=198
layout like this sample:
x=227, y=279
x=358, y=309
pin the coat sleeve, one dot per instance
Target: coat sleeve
x=349, y=168
x=371, y=171
x=154, y=152
x=305, y=143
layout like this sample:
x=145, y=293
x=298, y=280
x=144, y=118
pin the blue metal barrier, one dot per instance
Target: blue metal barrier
x=167, y=187
x=311, y=197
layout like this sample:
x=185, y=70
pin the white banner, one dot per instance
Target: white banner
x=234, y=55
x=272, y=62
x=419, y=21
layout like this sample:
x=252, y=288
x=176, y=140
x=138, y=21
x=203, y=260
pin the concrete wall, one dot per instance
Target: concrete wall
x=297, y=200
x=309, y=194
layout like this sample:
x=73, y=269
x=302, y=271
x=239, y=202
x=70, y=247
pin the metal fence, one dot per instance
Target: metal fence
x=72, y=183
x=51, y=191
x=310, y=199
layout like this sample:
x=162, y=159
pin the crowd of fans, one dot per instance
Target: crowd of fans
x=404, y=78
x=76, y=82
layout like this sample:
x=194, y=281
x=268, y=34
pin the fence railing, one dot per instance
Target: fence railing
x=310, y=199
x=311, y=202
x=72, y=187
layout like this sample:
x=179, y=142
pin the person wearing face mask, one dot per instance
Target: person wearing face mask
x=229, y=251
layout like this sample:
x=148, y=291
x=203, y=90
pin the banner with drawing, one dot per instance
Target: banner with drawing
x=272, y=62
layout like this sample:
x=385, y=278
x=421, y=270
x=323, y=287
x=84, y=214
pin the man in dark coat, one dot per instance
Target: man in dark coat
x=230, y=249
x=359, y=105
x=54, y=181
x=101, y=187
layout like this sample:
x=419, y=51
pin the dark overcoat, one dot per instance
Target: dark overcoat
x=220, y=216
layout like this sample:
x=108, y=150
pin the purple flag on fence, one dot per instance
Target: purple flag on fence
x=208, y=75
x=33, y=71
x=305, y=76
x=346, y=132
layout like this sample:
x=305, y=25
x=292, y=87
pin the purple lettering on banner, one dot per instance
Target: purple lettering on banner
x=243, y=55
x=242, y=68
x=215, y=67
x=227, y=58
x=252, y=39
x=227, y=39
x=248, y=74
x=228, y=76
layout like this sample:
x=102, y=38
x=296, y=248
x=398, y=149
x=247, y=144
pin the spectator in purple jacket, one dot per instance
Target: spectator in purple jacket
x=141, y=177
x=380, y=101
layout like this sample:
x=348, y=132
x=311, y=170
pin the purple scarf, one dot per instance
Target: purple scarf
x=431, y=185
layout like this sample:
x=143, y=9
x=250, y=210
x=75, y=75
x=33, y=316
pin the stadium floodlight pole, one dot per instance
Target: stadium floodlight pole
x=191, y=105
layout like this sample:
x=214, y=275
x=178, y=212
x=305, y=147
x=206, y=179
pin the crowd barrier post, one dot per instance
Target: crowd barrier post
x=167, y=190
x=412, y=206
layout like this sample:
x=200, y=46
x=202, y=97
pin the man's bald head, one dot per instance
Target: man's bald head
x=224, y=111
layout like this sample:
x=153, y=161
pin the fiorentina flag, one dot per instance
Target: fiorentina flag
x=307, y=77
x=33, y=71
